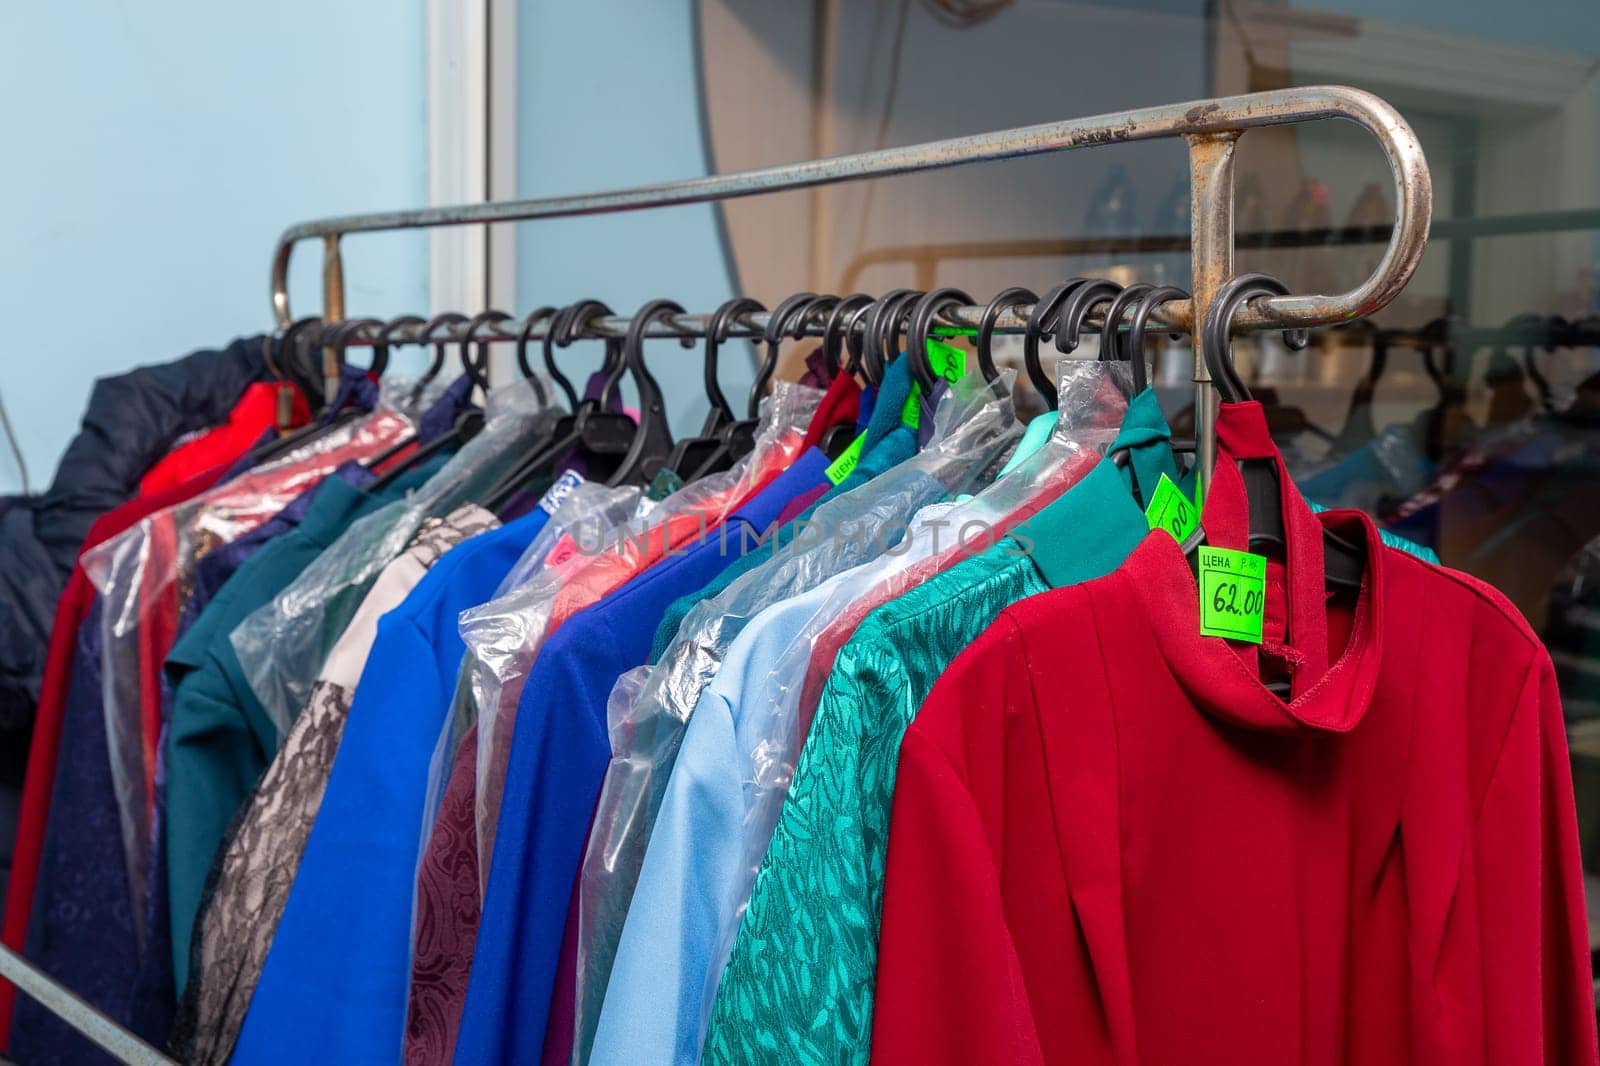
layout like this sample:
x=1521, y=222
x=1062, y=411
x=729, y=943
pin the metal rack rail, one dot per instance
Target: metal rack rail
x=1212, y=129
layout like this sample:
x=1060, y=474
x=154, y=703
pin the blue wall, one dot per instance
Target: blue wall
x=154, y=152
x=608, y=97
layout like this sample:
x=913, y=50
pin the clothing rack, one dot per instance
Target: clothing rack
x=1212, y=129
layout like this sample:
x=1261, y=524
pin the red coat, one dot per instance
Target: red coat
x=1111, y=844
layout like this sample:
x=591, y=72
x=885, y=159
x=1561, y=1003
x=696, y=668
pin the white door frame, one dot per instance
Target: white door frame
x=472, y=153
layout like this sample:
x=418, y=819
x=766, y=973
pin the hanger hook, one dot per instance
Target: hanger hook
x=718, y=327
x=652, y=440
x=426, y=336
x=562, y=332
x=1141, y=320
x=1077, y=308
x=920, y=325
x=294, y=362
x=1042, y=320
x=1234, y=294
x=835, y=332
x=477, y=368
x=387, y=337
x=1111, y=341
x=861, y=341
x=524, y=334
x=344, y=332
x=777, y=326
x=1111, y=347
x=883, y=331
x=1005, y=300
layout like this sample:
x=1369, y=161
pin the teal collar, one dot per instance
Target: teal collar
x=1095, y=524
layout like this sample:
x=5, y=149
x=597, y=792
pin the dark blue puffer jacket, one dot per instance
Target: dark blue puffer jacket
x=132, y=420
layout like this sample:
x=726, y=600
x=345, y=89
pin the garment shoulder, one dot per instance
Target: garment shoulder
x=1461, y=591
x=973, y=577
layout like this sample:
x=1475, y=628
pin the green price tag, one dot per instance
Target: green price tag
x=911, y=413
x=948, y=361
x=1172, y=511
x=1233, y=594
x=840, y=468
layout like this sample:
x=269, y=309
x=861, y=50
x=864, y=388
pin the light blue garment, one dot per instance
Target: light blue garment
x=675, y=931
x=333, y=988
x=1033, y=438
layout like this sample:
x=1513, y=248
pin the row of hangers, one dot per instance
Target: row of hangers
x=859, y=335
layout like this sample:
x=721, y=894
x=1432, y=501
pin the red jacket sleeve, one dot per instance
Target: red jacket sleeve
x=1536, y=942
x=949, y=987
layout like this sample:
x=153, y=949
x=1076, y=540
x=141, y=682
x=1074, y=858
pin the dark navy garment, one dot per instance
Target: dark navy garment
x=81, y=931
x=440, y=417
x=558, y=757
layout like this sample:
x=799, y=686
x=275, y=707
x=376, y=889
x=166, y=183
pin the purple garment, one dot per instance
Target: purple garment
x=519, y=505
x=574, y=461
x=816, y=375
x=440, y=417
x=356, y=389
x=81, y=930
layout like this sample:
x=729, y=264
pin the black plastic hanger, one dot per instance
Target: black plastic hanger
x=1140, y=323
x=428, y=335
x=1133, y=348
x=291, y=360
x=835, y=335
x=690, y=453
x=1011, y=299
x=475, y=363
x=299, y=340
x=737, y=439
x=468, y=423
x=600, y=438
x=1112, y=349
x=1343, y=562
x=652, y=441
x=838, y=333
x=855, y=332
x=1074, y=313
x=380, y=362
x=884, y=324
x=535, y=317
x=610, y=366
x=866, y=316
x=1042, y=320
x=919, y=326
x=386, y=338
x=769, y=365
